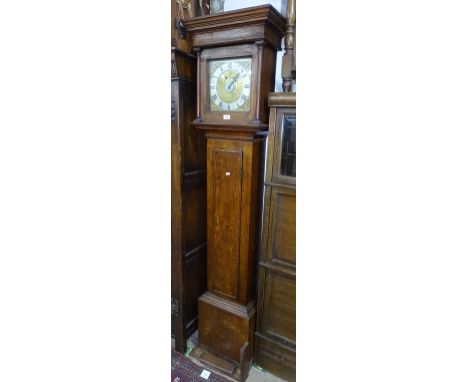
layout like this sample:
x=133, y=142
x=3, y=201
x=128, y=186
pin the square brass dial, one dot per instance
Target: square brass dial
x=229, y=85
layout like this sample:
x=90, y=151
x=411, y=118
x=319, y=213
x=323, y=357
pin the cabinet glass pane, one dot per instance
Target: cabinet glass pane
x=288, y=149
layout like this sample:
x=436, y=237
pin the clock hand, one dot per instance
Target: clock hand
x=229, y=86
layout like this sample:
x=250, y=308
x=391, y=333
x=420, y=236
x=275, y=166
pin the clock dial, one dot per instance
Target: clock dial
x=229, y=85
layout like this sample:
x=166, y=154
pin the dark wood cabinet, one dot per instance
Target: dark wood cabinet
x=275, y=336
x=188, y=201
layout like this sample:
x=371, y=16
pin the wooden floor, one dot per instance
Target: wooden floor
x=255, y=374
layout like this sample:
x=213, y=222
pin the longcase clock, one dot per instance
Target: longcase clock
x=236, y=59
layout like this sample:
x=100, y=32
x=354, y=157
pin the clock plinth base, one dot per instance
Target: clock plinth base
x=225, y=327
x=222, y=365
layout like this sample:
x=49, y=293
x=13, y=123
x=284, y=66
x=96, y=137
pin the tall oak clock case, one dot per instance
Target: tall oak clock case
x=236, y=59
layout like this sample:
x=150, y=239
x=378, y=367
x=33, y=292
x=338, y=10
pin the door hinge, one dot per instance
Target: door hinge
x=174, y=307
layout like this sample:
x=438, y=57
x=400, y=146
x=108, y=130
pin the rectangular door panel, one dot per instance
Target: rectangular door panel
x=284, y=155
x=283, y=227
x=227, y=194
x=279, y=306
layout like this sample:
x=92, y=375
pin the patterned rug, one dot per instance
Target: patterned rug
x=184, y=370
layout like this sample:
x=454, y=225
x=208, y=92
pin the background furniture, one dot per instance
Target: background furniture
x=275, y=346
x=188, y=202
x=288, y=68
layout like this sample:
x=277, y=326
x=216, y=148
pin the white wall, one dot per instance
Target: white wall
x=230, y=5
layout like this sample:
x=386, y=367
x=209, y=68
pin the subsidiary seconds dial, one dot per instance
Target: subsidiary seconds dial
x=229, y=85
